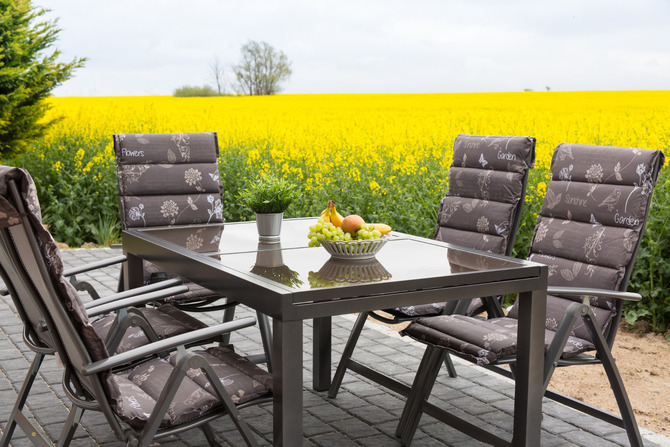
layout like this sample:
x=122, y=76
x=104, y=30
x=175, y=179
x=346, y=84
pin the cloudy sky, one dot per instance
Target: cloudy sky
x=151, y=47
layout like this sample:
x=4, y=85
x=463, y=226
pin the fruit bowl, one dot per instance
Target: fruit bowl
x=356, y=249
x=340, y=271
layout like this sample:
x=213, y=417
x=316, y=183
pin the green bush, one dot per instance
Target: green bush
x=76, y=185
x=191, y=90
x=651, y=275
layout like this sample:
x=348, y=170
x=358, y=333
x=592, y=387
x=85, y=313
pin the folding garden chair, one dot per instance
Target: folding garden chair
x=588, y=232
x=173, y=180
x=481, y=210
x=160, y=396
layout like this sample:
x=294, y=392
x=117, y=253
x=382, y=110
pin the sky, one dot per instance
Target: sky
x=152, y=47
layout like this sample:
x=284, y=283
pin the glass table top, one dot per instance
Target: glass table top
x=292, y=264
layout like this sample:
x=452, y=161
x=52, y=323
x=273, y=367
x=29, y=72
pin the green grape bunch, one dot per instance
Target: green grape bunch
x=326, y=231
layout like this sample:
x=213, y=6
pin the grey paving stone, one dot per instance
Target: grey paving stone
x=355, y=429
x=334, y=440
x=586, y=439
x=363, y=414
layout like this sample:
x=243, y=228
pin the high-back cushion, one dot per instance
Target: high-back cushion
x=44, y=268
x=168, y=179
x=487, y=181
x=592, y=222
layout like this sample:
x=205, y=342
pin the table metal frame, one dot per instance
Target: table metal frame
x=288, y=308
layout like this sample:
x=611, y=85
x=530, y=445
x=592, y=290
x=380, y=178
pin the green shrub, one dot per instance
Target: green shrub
x=191, y=90
x=76, y=185
x=651, y=275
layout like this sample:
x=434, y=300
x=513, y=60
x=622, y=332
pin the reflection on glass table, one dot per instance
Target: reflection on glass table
x=339, y=271
x=270, y=264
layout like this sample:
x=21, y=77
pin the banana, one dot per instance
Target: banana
x=331, y=215
x=335, y=217
x=383, y=228
x=325, y=215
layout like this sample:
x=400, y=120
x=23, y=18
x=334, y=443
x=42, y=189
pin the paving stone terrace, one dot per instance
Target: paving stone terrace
x=363, y=414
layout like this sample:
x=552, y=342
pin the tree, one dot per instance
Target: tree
x=28, y=73
x=262, y=69
x=217, y=74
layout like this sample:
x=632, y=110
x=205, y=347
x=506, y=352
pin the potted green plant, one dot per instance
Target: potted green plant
x=268, y=197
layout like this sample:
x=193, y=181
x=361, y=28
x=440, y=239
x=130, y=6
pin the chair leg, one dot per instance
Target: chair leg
x=209, y=435
x=70, y=426
x=228, y=315
x=266, y=337
x=449, y=364
x=17, y=416
x=425, y=378
x=616, y=382
x=346, y=355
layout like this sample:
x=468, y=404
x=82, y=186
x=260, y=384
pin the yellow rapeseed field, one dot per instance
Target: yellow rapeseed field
x=394, y=132
x=365, y=149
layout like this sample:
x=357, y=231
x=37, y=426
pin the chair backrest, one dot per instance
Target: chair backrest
x=168, y=179
x=591, y=224
x=33, y=270
x=487, y=184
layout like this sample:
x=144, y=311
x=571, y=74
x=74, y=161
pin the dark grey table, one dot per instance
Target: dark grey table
x=291, y=282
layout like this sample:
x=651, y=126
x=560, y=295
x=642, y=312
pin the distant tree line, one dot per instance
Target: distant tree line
x=261, y=71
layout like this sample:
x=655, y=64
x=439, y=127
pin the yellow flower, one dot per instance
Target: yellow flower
x=541, y=189
x=374, y=186
x=57, y=166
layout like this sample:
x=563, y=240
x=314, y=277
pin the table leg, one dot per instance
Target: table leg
x=133, y=274
x=287, y=387
x=321, y=357
x=529, y=369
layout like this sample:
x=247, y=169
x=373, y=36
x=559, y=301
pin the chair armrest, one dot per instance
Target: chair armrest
x=134, y=301
x=82, y=269
x=134, y=292
x=628, y=296
x=94, y=265
x=141, y=352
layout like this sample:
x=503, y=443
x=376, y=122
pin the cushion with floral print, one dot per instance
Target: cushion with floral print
x=591, y=223
x=487, y=179
x=483, y=341
x=168, y=179
x=134, y=396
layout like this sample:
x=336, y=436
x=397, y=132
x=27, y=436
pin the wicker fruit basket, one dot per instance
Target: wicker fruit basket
x=358, y=249
x=343, y=272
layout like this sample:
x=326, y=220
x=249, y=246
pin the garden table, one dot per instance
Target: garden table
x=291, y=282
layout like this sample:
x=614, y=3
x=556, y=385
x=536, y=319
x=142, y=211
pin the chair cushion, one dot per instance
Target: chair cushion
x=133, y=397
x=195, y=293
x=66, y=292
x=483, y=341
x=486, y=184
x=591, y=223
x=165, y=320
x=173, y=209
x=166, y=148
x=500, y=153
x=168, y=179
